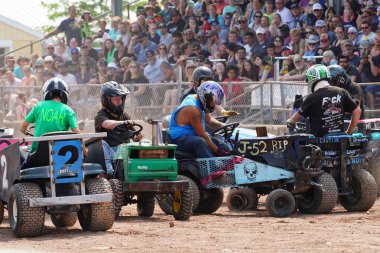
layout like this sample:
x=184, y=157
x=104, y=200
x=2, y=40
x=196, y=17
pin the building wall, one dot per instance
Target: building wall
x=19, y=38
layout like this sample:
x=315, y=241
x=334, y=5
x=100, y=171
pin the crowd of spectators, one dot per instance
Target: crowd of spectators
x=239, y=40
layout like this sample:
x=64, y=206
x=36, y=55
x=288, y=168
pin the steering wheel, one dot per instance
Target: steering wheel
x=226, y=130
x=125, y=133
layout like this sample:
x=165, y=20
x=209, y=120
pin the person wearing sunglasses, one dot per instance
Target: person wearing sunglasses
x=352, y=35
x=243, y=25
x=367, y=34
x=298, y=19
x=325, y=45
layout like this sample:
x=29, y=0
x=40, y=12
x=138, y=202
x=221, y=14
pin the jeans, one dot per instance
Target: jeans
x=109, y=153
x=198, y=146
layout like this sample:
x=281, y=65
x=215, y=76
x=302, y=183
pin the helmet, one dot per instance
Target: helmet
x=113, y=89
x=316, y=73
x=338, y=75
x=210, y=91
x=201, y=72
x=55, y=86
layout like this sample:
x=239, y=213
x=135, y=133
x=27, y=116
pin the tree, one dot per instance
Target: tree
x=59, y=11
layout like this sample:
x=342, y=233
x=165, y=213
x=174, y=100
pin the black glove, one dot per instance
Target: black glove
x=221, y=152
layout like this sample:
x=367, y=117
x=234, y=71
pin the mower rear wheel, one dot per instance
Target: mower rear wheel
x=63, y=220
x=240, y=199
x=320, y=200
x=210, y=200
x=364, y=192
x=97, y=216
x=25, y=221
x=145, y=204
x=183, y=201
x=280, y=203
x=118, y=195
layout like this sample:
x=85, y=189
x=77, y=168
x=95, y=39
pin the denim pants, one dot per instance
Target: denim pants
x=109, y=153
x=198, y=146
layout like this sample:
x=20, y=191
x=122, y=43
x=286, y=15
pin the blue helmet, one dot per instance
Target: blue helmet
x=210, y=91
x=338, y=75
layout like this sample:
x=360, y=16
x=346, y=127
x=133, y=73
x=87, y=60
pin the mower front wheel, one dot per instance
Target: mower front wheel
x=240, y=199
x=280, y=203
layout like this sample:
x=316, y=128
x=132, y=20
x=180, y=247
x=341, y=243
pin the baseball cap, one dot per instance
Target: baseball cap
x=202, y=34
x=294, y=5
x=149, y=52
x=320, y=23
x=74, y=50
x=317, y=6
x=48, y=58
x=297, y=58
x=286, y=47
x=112, y=65
x=313, y=39
x=348, y=42
x=40, y=61
x=260, y=30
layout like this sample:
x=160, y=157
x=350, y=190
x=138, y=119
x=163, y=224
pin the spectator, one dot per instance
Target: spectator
x=250, y=11
x=348, y=50
x=84, y=57
x=176, y=54
x=177, y=23
x=63, y=50
x=233, y=38
x=65, y=75
x=120, y=53
x=222, y=33
x=220, y=74
x=278, y=45
x=265, y=24
x=311, y=45
x=73, y=44
x=298, y=19
x=162, y=53
x=243, y=25
x=165, y=38
x=351, y=71
x=192, y=24
x=203, y=42
x=124, y=33
x=248, y=43
x=316, y=15
x=275, y=25
x=296, y=42
x=102, y=30
x=157, y=72
x=367, y=34
x=9, y=62
x=260, y=47
x=21, y=62
x=73, y=64
x=54, y=68
x=230, y=86
x=268, y=10
x=197, y=49
x=167, y=11
x=84, y=75
x=325, y=45
x=113, y=73
x=29, y=79
x=153, y=35
x=297, y=74
x=22, y=107
x=69, y=26
x=188, y=36
x=51, y=51
x=11, y=80
x=328, y=56
x=114, y=30
x=139, y=46
x=249, y=72
x=284, y=12
x=39, y=73
x=109, y=50
x=320, y=25
x=375, y=51
x=264, y=69
x=348, y=18
x=340, y=37
x=231, y=7
x=141, y=94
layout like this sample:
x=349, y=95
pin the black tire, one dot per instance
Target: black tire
x=317, y=200
x=118, y=195
x=364, y=192
x=63, y=220
x=97, y=216
x=25, y=221
x=183, y=201
x=1, y=211
x=210, y=201
x=166, y=201
x=239, y=199
x=145, y=204
x=280, y=203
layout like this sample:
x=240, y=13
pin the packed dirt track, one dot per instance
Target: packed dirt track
x=223, y=231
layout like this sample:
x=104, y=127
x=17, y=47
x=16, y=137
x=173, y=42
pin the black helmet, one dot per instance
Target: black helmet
x=113, y=89
x=202, y=72
x=55, y=86
x=338, y=75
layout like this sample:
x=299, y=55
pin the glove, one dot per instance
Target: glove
x=221, y=152
x=129, y=122
x=229, y=113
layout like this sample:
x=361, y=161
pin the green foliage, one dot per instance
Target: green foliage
x=59, y=11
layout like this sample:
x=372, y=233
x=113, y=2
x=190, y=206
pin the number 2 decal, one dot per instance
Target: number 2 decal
x=3, y=163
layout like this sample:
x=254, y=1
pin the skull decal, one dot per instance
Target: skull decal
x=250, y=170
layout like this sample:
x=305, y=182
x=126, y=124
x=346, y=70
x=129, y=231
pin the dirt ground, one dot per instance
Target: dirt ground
x=224, y=231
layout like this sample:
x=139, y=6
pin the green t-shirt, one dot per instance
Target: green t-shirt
x=50, y=116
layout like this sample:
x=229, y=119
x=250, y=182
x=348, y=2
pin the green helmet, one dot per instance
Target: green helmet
x=316, y=73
